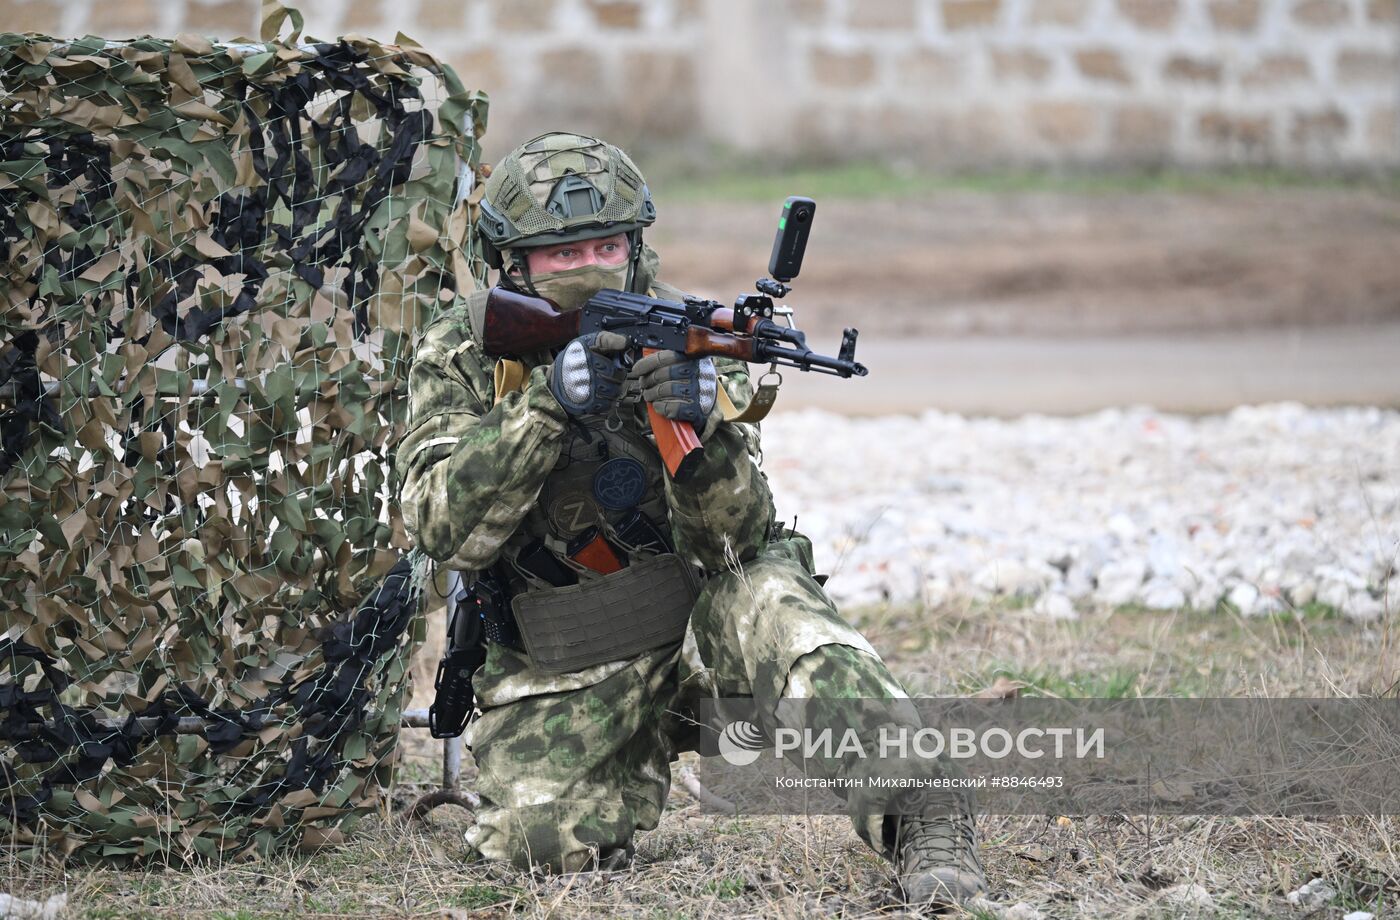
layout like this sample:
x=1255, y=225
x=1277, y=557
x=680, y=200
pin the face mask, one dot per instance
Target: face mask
x=571, y=288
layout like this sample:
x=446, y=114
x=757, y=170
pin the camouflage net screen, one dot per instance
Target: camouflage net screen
x=215, y=259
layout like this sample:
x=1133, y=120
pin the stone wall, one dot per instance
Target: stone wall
x=1310, y=83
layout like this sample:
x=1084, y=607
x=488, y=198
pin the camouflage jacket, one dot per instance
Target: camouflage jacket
x=481, y=478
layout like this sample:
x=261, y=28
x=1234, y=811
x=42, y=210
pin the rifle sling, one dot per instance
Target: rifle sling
x=764, y=395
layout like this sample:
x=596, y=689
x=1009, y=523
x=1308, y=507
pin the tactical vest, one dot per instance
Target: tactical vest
x=605, y=495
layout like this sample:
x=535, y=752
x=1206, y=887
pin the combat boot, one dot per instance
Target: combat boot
x=610, y=859
x=937, y=860
x=616, y=859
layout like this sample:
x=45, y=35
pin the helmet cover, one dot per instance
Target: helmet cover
x=561, y=188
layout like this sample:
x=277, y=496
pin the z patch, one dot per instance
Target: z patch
x=572, y=514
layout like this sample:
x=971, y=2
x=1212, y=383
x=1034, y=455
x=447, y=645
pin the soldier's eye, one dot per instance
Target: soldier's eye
x=612, y=252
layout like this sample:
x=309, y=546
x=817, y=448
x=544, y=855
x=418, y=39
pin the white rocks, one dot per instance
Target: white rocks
x=1122, y=527
x=1206, y=594
x=1244, y=597
x=1382, y=569
x=1096, y=554
x=1014, y=578
x=1334, y=594
x=24, y=909
x=1312, y=895
x=1164, y=559
x=936, y=591
x=1077, y=584
x=1359, y=915
x=1160, y=594
x=1055, y=607
x=1226, y=567
x=1340, y=575
x=1193, y=897
x=1269, y=507
x=1120, y=582
x=1363, y=608
x=1299, y=588
x=989, y=908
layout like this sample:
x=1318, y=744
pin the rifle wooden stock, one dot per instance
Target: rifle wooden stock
x=517, y=324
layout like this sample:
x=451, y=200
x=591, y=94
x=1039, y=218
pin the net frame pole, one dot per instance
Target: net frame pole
x=451, y=747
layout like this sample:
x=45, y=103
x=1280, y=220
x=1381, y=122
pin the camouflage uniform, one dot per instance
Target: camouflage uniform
x=579, y=761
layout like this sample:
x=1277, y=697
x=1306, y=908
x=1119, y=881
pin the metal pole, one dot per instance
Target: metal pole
x=451, y=747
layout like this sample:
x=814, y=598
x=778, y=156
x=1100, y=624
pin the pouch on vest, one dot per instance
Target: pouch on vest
x=642, y=607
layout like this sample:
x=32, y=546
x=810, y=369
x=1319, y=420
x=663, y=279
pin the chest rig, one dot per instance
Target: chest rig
x=607, y=472
x=590, y=575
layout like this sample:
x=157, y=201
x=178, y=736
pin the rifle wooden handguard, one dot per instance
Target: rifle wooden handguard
x=701, y=342
x=723, y=319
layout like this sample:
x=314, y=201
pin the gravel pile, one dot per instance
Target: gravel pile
x=1267, y=508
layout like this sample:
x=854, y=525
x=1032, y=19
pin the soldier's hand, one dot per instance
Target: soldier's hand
x=587, y=376
x=678, y=387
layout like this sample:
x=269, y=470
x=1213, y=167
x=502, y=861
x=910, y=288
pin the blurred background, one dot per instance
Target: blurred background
x=1024, y=205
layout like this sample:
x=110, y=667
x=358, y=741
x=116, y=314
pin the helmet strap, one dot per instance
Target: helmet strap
x=525, y=285
x=634, y=259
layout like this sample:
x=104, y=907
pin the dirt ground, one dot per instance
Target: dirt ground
x=697, y=864
x=1056, y=263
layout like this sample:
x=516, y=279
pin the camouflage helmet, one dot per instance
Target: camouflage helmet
x=561, y=188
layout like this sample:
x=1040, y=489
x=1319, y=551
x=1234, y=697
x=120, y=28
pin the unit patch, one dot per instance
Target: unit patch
x=619, y=484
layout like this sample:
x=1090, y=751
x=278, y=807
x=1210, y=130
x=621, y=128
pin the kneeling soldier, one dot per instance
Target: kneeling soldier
x=541, y=474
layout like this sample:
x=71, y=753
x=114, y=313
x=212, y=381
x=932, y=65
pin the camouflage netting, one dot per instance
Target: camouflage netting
x=215, y=258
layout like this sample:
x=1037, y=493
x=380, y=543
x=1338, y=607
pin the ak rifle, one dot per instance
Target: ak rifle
x=517, y=323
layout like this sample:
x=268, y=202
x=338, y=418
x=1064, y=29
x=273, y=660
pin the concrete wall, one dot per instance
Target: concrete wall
x=1312, y=83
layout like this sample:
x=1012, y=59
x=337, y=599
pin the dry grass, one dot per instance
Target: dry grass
x=699, y=865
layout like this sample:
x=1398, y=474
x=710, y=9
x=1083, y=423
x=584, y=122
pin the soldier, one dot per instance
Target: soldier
x=518, y=468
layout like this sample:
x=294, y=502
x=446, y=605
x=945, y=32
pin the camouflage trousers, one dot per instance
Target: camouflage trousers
x=581, y=761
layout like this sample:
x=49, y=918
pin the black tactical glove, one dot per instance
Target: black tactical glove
x=680, y=388
x=587, y=376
